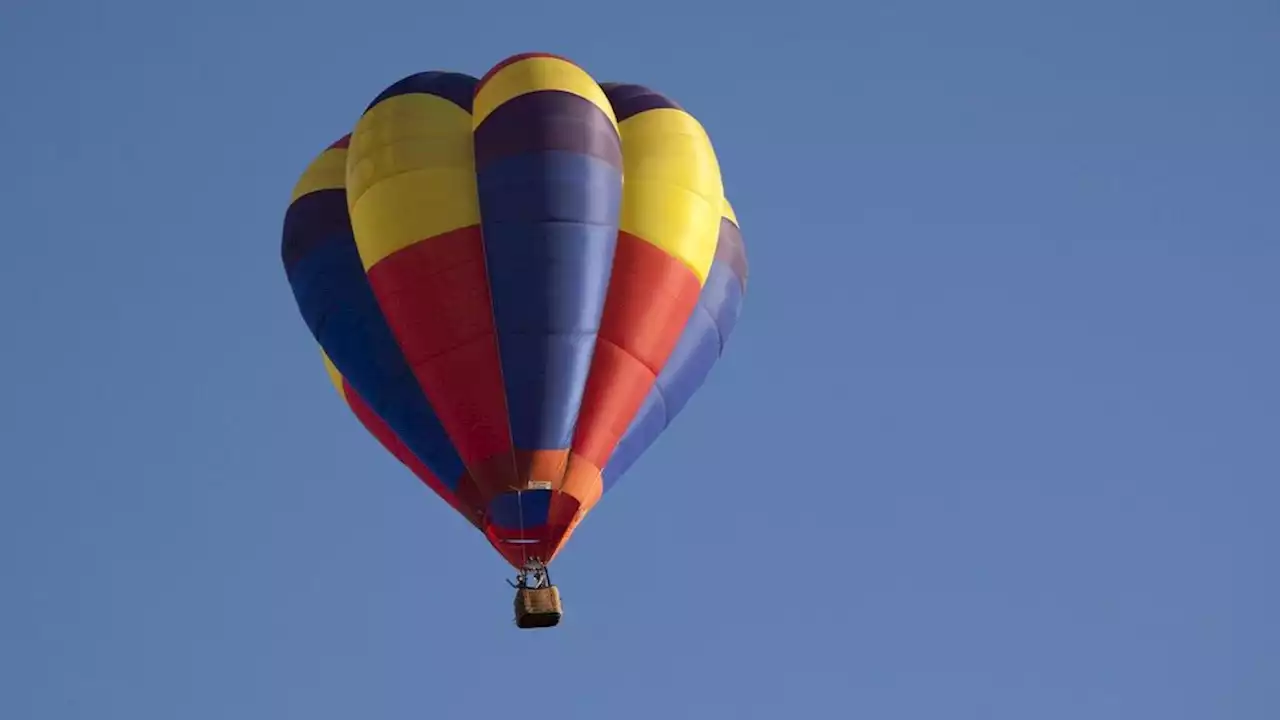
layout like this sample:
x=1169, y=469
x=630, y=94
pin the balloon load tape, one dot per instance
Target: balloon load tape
x=538, y=607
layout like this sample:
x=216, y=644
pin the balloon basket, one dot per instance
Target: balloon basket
x=538, y=607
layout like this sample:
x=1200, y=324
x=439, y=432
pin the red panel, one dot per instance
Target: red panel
x=435, y=296
x=651, y=295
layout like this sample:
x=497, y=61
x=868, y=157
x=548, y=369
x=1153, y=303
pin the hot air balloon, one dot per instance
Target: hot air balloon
x=517, y=282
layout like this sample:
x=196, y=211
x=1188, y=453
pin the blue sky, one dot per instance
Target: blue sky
x=995, y=438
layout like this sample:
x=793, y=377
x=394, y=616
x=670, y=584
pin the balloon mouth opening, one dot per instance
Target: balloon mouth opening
x=521, y=541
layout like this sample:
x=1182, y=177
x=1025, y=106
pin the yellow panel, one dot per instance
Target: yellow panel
x=534, y=74
x=729, y=214
x=327, y=172
x=410, y=174
x=672, y=194
x=334, y=376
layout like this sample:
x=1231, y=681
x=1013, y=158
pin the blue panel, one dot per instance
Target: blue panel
x=685, y=371
x=338, y=305
x=690, y=363
x=550, y=228
x=645, y=428
x=526, y=509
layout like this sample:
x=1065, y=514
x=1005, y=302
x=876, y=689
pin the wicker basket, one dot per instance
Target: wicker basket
x=538, y=607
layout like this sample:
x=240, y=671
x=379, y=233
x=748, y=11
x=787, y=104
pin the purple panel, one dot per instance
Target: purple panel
x=629, y=100
x=731, y=252
x=547, y=120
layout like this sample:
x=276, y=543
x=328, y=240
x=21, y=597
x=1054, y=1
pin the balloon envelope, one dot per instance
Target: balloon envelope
x=502, y=311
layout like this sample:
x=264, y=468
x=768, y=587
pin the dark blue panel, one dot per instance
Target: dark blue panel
x=457, y=88
x=338, y=305
x=526, y=509
x=550, y=228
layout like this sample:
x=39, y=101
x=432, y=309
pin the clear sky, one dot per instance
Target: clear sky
x=998, y=435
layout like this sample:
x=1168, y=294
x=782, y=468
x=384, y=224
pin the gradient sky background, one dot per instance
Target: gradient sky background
x=998, y=435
